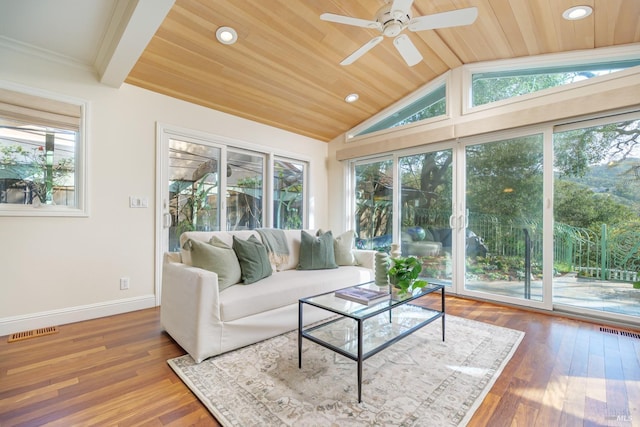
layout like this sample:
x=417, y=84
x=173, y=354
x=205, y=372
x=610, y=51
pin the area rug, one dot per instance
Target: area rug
x=418, y=381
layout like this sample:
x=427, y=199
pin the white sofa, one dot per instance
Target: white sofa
x=205, y=321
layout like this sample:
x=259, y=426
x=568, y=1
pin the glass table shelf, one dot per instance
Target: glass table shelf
x=358, y=331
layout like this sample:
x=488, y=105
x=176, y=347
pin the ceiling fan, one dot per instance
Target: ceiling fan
x=392, y=18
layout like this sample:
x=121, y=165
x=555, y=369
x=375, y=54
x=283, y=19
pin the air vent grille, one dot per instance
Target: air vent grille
x=623, y=333
x=19, y=336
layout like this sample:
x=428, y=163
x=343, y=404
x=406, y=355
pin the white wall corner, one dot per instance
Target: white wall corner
x=133, y=24
x=11, y=325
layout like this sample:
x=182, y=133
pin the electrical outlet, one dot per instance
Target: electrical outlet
x=124, y=283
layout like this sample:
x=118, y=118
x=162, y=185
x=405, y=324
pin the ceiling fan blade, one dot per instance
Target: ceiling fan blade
x=407, y=49
x=362, y=50
x=347, y=20
x=402, y=6
x=454, y=18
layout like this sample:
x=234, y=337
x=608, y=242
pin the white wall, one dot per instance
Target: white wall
x=56, y=270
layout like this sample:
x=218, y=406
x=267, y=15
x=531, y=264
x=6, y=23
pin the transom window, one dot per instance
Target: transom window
x=495, y=86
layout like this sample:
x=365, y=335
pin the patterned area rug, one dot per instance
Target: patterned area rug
x=418, y=381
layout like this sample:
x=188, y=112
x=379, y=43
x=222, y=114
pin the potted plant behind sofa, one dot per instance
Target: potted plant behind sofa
x=404, y=272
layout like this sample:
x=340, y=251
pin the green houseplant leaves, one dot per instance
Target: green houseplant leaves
x=404, y=272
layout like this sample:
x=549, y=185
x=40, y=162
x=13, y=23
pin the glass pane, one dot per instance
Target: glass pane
x=194, y=200
x=245, y=172
x=426, y=193
x=597, y=218
x=432, y=104
x=374, y=205
x=288, y=195
x=498, y=85
x=37, y=165
x=504, y=200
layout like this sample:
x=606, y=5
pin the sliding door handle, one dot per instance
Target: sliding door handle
x=166, y=220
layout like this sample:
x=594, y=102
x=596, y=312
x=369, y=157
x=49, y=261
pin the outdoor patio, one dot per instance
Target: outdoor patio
x=569, y=289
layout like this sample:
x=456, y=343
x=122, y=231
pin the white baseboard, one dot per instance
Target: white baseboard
x=27, y=322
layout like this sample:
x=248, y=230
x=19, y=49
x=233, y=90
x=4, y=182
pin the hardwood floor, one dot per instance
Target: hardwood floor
x=113, y=371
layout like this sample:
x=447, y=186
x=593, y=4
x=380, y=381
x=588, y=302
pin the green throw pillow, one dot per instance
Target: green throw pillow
x=316, y=253
x=218, y=257
x=343, y=248
x=253, y=258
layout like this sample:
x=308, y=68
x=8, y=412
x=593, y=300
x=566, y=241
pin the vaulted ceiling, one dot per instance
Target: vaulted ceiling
x=284, y=69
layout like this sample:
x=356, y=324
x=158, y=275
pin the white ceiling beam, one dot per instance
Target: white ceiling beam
x=132, y=26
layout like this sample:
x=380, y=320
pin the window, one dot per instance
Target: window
x=245, y=190
x=431, y=105
x=495, y=86
x=426, y=103
x=288, y=193
x=41, y=156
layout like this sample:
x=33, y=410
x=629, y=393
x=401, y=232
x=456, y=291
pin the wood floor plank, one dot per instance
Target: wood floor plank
x=113, y=371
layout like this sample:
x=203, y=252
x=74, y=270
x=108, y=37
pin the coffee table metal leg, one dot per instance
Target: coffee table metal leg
x=359, y=361
x=299, y=335
x=442, y=291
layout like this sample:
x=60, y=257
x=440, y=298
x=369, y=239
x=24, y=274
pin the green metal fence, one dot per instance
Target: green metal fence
x=612, y=253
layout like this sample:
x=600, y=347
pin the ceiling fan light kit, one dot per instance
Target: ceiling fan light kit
x=392, y=18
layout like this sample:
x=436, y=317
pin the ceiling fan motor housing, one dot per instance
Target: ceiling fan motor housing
x=392, y=23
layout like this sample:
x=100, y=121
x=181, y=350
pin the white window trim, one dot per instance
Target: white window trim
x=594, y=56
x=352, y=134
x=81, y=162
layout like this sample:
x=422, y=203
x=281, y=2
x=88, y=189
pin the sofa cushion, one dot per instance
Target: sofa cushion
x=253, y=258
x=217, y=257
x=285, y=288
x=343, y=246
x=316, y=252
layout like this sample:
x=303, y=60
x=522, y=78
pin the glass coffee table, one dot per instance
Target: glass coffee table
x=359, y=331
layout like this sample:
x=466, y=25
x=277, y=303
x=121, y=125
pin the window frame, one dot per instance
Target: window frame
x=579, y=59
x=80, y=162
x=444, y=80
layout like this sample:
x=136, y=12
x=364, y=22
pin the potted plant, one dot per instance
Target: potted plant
x=404, y=272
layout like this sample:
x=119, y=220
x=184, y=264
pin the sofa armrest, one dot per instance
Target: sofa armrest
x=365, y=258
x=190, y=308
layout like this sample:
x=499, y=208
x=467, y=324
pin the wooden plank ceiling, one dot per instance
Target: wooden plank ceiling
x=284, y=70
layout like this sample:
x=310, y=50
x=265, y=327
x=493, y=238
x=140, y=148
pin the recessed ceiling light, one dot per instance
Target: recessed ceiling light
x=352, y=97
x=577, y=12
x=226, y=35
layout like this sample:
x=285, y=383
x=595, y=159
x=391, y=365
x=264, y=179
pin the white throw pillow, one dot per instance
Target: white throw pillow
x=343, y=246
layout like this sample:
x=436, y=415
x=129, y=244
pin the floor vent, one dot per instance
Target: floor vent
x=623, y=333
x=19, y=336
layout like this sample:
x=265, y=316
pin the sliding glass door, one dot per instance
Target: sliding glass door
x=547, y=218
x=426, y=195
x=597, y=216
x=193, y=189
x=373, y=203
x=245, y=190
x=503, y=219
